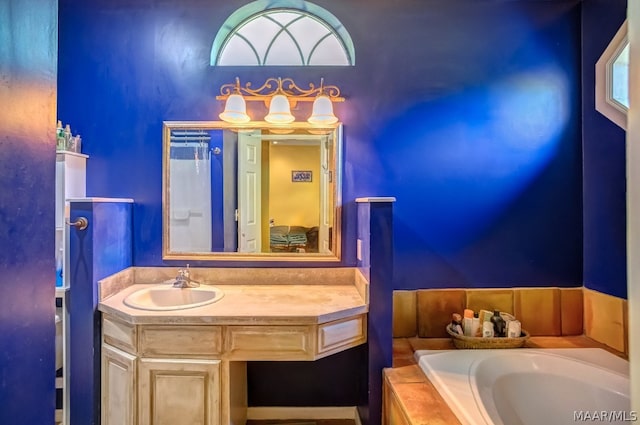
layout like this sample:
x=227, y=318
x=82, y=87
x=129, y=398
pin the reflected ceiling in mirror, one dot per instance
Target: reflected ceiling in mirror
x=254, y=191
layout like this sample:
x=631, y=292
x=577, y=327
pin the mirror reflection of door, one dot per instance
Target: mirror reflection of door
x=324, y=245
x=297, y=194
x=276, y=212
x=249, y=190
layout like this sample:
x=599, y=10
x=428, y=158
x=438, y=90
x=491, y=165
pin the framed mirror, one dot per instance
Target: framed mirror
x=254, y=191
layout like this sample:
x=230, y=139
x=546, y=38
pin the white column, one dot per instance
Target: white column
x=633, y=201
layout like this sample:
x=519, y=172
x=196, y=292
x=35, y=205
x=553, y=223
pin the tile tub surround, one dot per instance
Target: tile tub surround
x=606, y=319
x=405, y=313
x=542, y=311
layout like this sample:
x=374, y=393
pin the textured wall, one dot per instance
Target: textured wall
x=605, y=265
x=28, y=52
x=468, y=112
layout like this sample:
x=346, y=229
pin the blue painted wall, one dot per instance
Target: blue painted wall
x=468, y=112
x=447, y=111
x=100, y=250
x=375, y=231
x=28, y=67
x=605, y=266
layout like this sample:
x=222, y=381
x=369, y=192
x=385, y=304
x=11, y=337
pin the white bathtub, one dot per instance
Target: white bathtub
x=531, y=386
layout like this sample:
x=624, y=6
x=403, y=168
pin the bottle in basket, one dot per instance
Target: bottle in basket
x=515, y=329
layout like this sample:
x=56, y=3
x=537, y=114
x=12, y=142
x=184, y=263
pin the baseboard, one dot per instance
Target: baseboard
x=357, y=417
x=346, y=412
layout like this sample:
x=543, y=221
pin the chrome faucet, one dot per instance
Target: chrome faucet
x=183, y=280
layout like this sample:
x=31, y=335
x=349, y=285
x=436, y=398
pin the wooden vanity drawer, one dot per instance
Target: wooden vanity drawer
x=341, y=334
x=192, y=341
x=119, y=334
x=269, y=342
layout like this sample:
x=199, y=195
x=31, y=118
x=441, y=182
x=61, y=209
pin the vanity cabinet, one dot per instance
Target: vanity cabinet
x=119, y=392
x=179, y=375
x=152, y=391
x=167, y=374
x=180, y=391
x=189, y=366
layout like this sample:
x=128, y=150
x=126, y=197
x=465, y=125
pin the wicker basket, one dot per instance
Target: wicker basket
x=474, y=342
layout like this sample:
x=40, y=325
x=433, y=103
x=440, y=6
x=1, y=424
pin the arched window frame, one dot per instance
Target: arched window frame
x=247, y=12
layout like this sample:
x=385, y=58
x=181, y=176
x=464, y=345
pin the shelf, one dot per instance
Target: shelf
x=81, y=155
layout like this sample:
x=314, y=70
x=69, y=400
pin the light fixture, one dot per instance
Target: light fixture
x=322, y=112
x=235, y=109
x=279, y=95
x=279, y=110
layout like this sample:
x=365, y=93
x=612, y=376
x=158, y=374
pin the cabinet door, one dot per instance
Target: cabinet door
x=118, y=387
x=185, y=392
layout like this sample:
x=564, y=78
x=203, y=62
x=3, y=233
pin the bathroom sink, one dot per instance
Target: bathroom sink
x=165, y=297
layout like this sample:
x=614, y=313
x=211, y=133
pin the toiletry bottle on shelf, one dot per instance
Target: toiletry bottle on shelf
x=467, y=322
x=456, y=323
x=59, y=258
x=476, y=327
x=77, y=147
x=67, y=136
x=487, y=330
x=507, y=320
x=60, y=145
x=514, y=329
x=498, y=323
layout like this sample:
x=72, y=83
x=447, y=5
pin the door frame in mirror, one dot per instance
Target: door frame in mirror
x=336, y=239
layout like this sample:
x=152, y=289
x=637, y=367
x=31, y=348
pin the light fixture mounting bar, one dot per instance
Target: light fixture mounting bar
x=285, y=86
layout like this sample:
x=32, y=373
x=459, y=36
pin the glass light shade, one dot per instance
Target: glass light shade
x=279, y=110
x=235, y=110
x=322, y=112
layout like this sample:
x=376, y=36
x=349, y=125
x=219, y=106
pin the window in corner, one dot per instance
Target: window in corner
x=612, y=79
x=276, y=33
x=620, y=77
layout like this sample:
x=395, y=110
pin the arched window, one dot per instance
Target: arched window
x=282, y=32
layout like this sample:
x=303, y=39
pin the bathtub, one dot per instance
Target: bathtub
x=531, y=386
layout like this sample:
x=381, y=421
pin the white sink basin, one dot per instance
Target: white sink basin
x=165, y=297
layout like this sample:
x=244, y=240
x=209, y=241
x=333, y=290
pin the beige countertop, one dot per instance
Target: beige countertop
x=283, y=304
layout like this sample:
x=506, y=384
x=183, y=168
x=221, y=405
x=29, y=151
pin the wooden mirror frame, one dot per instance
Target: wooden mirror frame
x=336, y=154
